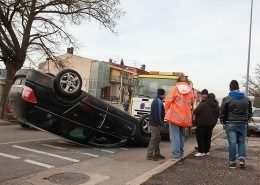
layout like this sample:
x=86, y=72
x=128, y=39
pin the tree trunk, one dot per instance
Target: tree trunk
x=10, y=72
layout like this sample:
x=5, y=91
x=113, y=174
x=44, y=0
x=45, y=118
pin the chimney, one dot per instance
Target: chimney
x=70, y=50
x=143, y=66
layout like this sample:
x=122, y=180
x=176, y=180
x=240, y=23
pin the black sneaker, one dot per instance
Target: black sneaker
x=242, y=163
x=232, y=165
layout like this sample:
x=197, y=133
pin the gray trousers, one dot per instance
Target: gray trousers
x=153, y=147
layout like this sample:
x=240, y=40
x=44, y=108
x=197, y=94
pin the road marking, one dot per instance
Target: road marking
x=27, y=141
x=108, y=151
x=92, y=155
x=125, y=149
x=9, y=156
x=38, y=163
x=56, y=147
x=46, y=153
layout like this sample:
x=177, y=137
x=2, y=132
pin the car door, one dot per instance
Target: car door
x=89, y=113
x=106, y=118
x=121, y=123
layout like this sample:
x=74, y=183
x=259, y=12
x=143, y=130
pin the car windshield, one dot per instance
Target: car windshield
x=256, y=113
x=147, y=87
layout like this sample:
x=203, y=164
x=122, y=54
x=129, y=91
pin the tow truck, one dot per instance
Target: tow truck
x=145, y=90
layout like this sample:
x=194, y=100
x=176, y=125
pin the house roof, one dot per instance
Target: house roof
x=119, y=68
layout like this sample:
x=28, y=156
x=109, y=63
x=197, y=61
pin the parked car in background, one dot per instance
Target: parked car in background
x=254, y=123
x=58, y=105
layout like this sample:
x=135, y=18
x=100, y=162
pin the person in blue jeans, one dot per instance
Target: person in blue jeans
x=235, y=111
x=178, y=107
x=156, y=120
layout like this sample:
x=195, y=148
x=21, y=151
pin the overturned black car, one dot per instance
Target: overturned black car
x=59, y=106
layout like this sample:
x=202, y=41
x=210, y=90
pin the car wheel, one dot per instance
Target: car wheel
x=68, y=83
x=144, y=130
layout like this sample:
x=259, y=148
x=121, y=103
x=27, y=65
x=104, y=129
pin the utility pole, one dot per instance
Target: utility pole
x=249, y=50
x=122, y=82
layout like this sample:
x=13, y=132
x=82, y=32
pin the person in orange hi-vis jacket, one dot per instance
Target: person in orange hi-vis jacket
x=178, y=107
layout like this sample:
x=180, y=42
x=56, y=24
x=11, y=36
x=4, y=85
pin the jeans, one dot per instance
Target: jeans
x=177, y=140
x=236, y=135
x=203, y=136
x=153, y=147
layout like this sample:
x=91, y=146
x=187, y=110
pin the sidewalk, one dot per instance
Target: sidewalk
x=213, y=169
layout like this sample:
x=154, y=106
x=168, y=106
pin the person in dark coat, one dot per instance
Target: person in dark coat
x=215, y=111
x=155, y=121
x=206, y=117
x=204, y=94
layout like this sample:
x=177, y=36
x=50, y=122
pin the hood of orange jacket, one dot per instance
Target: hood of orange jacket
x=183, y=87
x=178, y=105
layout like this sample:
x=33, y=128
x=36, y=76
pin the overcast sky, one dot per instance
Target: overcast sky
x=205, y=39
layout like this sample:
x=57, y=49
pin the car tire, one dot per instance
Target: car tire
x=68, y=83
x=143, y=131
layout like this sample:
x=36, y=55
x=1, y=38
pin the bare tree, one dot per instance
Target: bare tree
x=29, y=26
x=254, y=85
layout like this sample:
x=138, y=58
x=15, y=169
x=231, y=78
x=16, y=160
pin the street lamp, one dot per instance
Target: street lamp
x=122, y=82
x=249, y=50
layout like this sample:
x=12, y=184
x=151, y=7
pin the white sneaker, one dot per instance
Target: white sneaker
x=199, y=154
x=207, y=153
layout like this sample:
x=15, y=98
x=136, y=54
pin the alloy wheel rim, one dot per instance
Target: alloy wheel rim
x=145, y=125
x=69, y=82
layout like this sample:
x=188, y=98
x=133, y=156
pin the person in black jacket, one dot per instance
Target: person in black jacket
x=206, y=117
x=235, y=111
x=156, y=120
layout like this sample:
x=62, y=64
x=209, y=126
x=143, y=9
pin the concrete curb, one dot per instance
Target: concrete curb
x=158, y=169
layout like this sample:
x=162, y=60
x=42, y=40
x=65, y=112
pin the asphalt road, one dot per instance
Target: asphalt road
x=28, y=151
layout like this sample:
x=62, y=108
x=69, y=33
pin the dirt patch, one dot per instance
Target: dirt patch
x=211, y=169
x=206, y=170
